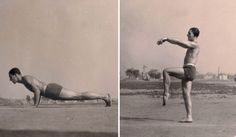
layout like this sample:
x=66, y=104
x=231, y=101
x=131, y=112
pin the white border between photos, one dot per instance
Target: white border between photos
x=118, y=9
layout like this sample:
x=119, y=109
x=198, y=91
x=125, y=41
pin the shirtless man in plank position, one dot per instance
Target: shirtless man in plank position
x=186, y=73
x=52, y=90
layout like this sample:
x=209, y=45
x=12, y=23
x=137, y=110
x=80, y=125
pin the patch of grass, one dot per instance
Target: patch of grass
x=198, y=87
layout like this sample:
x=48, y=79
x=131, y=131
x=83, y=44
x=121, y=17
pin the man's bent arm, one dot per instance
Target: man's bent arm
x=37, y=97
x=180, y=43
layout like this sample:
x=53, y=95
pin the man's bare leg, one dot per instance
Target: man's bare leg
x=186, y=87
x=94, y=96
x=176, y=72
x=166, y=82
x=71, y=95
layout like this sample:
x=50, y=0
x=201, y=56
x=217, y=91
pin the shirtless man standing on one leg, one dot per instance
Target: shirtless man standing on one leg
x=186, y=73
x=52, y=90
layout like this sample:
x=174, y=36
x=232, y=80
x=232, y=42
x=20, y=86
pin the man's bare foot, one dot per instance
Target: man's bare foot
x=165, y=98
x=108, y=100
x=186, y=120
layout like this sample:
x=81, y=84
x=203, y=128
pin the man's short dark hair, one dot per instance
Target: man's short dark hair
x=195, y=31
x=14, y=71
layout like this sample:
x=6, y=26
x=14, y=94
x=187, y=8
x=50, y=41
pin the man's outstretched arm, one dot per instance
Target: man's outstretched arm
x=183, y=44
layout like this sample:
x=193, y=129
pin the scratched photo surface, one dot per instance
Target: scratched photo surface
x=70, y=42
x=142, y=61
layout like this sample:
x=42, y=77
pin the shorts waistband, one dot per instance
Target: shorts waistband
x=189, y=64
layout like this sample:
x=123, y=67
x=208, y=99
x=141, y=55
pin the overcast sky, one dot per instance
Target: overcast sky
x=143, y=22
x=70, y=42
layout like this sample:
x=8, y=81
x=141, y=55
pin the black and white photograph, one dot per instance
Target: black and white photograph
x=59, y=68
x=117, y=68
x=177, y=72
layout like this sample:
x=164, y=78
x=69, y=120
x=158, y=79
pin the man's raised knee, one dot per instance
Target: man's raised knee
x=165, y=72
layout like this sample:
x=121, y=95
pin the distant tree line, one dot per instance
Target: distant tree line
x=154, y=73
x=133, y=73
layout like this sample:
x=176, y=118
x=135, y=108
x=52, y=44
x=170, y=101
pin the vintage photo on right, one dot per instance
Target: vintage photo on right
x=177, y=71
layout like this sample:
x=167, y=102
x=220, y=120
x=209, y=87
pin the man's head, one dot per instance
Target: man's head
x=14, y=75
x=193, y=33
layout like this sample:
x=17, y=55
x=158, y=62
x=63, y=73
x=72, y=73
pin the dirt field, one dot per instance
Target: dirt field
x=142, y=113
x=144, y=116
x=59, y=121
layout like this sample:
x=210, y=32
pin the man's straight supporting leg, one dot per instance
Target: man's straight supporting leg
x=186, y=87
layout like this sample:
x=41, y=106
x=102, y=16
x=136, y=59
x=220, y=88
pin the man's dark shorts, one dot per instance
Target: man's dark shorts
x=189, y=72
x=53, y=91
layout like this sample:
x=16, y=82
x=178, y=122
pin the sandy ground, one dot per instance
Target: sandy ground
x=59, y=121
x=144, y=116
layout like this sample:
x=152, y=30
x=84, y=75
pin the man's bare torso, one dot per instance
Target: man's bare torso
x=191, y=56
x=32, y=84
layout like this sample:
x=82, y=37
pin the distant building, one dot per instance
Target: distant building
x=145, y=75
x=223, y=76
x=209, y=76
